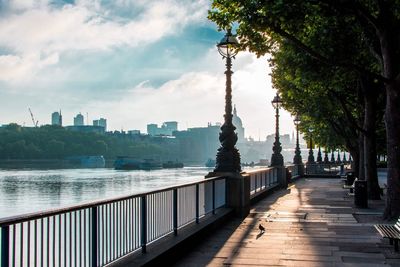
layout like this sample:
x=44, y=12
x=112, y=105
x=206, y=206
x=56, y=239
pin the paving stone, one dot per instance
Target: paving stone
x=312, y=224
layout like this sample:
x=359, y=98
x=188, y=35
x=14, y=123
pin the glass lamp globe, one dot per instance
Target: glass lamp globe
x=227, y=45
x=276, y=102
x=297, y=120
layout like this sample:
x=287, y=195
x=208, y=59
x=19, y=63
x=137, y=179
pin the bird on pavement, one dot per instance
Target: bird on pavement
x=262, y=229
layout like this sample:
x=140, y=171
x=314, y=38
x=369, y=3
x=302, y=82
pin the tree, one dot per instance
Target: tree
x=375, y=26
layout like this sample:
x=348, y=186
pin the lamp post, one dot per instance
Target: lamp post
x=338, y=157
x=333, y=157
x=326, y=159
x=228, y=157
x=319, y=155
x=277, y=158
x=297, y=153
x=311, y=153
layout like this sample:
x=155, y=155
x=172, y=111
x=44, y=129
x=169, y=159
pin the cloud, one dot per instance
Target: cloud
x=196, y=98
x=44, y=30
x=16, y=69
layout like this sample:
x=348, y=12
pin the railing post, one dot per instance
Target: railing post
x=265, y=180
x=175, y=211
x=213, y=196
x=255, y=182
x=238, y=194
x=197, y=203
x=143, y=229
x=94, y=236
x=5, y=246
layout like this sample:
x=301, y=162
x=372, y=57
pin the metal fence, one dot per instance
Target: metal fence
x=97, y=233
x=262, y=180
x=323, y=168
x=295, y=170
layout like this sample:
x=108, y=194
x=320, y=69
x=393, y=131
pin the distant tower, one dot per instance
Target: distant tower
x=78, y=120
x=56, y=118
x=237, y=122
x=60, y=119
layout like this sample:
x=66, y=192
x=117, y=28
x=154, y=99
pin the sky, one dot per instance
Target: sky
x=133, y=62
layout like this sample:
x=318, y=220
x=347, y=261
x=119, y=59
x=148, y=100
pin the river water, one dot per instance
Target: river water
x=26, y=191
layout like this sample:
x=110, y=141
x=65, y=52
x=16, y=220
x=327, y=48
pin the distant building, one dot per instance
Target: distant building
x=152, y=129
x=78, y=120
x=100, y=122
x=86, y=129
x=134, y=132
x=237, y=122
x=56, y=118
x=167, y=128
x=198, y=144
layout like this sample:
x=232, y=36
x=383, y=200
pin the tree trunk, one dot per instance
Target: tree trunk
x=392, y=120
x=355, y=160
x=370, y=170
x=361, y=171
x=389, y=44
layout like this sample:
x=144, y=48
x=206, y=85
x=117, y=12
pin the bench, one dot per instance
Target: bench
x=391, y=231
x=351, y=187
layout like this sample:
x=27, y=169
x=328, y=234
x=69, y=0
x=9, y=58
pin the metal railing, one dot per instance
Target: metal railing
x=295, y=170
x=97, y=233
x=322, y=168
x=262, y=180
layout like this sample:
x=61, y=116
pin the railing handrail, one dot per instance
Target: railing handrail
x=257, y=170
x=89, y=204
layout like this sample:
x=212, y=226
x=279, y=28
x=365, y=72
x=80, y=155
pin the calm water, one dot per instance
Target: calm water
x=26, y=191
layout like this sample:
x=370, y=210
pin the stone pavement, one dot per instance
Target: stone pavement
x=313, y=223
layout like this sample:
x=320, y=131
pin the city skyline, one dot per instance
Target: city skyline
x=100, y=58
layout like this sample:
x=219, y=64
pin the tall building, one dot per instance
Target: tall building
x=56, y=118
x=100, y=122
x=78, y=120
x=198, y=144
x=167, y=128
x=152, y=129
x=237, y=122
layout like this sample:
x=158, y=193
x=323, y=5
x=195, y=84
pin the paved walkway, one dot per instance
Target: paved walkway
x=313, y=223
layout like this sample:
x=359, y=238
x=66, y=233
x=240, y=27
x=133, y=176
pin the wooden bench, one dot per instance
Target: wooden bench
x=351, y=187
x=391, y=231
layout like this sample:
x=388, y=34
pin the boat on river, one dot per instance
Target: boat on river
x=86, y=161
x=172, y=165
x=210, y=163
x=130, y=163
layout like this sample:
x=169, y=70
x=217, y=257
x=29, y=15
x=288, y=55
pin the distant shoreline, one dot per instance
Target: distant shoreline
x=42, y=164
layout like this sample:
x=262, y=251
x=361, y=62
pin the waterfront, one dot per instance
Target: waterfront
x=26, y=191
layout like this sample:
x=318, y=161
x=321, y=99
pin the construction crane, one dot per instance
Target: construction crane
x=35, y=122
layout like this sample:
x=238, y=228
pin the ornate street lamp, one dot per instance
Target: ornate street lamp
x=297, y=153
x=319, y=155
x=332, y=157
x=338, y=157
x=277, y=158
x=228, y=157
x=311, y=153
x=326, y=159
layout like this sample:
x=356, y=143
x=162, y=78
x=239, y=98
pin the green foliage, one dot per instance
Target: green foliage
x=54, y=142
x=319, y=52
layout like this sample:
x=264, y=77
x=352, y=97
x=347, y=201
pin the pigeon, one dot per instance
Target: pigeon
x=262, y=229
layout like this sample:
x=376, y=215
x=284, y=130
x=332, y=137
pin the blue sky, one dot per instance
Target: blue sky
x=132, y=62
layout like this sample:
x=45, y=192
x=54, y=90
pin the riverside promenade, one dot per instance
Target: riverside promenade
x=312, y=223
